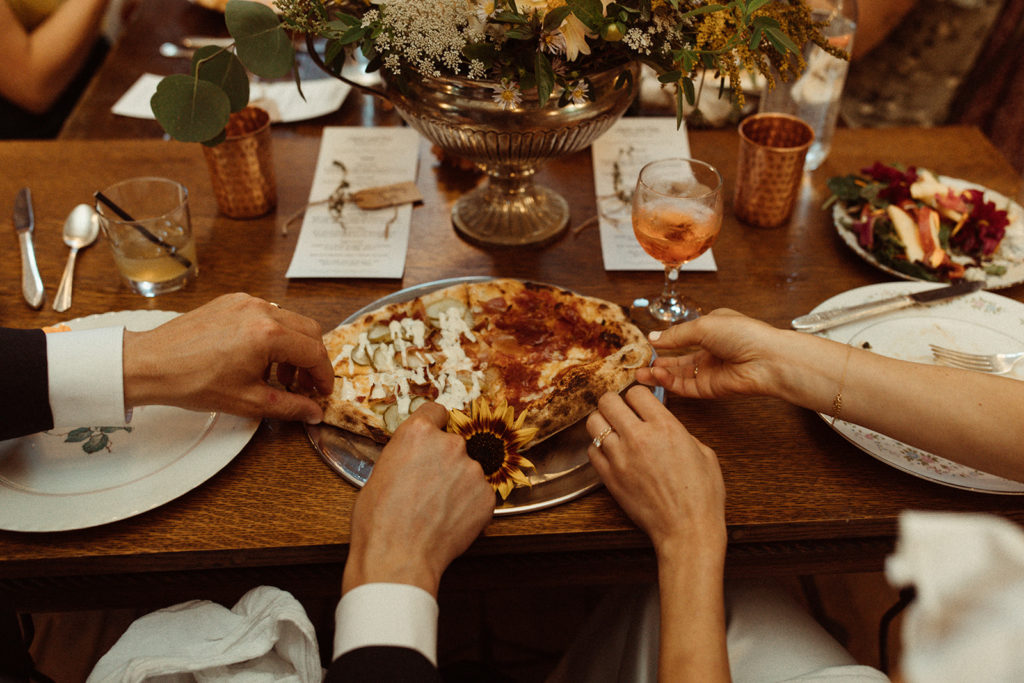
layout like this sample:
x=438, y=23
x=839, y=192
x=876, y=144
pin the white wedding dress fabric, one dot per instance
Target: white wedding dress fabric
x=770, y=638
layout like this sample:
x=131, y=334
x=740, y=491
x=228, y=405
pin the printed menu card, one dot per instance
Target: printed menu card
x=618, y=156
x=340, y=239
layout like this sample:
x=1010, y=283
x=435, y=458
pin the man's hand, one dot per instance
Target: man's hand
x=219, y=357
x=423, y=505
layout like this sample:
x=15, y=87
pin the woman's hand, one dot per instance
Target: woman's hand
x=670, y=484
x=734, y=355
x=667, y=481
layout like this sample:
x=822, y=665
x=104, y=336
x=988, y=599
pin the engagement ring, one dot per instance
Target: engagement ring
x=600, y=437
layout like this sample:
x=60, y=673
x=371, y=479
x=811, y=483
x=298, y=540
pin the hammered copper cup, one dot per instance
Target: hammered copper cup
x=771, y=164
x=241, y=167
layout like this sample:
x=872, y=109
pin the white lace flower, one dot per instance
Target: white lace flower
x=477, y=69
x=638, y=41
x=369, y=18
x=507, y=94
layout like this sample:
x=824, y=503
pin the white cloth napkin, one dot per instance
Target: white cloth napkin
x=967, y=621
x=281, y=99
x=265, y=637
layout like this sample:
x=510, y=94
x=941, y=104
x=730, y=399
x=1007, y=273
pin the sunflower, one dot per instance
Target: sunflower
x=494, y=439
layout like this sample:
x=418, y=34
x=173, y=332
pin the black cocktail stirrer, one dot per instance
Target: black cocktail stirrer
x=171, y=250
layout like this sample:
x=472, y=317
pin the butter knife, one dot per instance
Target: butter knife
x=822, y=320
x=24, y=222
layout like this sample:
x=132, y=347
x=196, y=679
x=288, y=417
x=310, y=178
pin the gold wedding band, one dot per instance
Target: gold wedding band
x=695, y=371
x=599, y=439
x=274, y=305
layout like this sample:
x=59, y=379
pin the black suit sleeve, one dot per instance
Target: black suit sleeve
x=24, y=385
x=382, y=664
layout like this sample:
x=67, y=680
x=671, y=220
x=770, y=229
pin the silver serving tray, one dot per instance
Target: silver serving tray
x=563, y=470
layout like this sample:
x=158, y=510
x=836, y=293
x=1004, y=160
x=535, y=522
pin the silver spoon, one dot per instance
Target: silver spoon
x=80, y=230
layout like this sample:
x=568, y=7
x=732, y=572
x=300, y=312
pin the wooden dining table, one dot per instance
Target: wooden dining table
x=801, y=499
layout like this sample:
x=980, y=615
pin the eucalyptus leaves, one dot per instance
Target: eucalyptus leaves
x=196, y=107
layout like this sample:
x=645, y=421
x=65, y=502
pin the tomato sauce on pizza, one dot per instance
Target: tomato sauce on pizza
x=544, y=350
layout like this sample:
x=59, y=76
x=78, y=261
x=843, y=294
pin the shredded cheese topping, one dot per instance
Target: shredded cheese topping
x=402, y=361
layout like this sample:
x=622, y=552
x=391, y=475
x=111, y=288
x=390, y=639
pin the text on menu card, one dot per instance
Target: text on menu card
x=338, y=238
x=618, y=156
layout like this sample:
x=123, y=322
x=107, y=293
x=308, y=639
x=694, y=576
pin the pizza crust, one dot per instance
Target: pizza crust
x=507, y=321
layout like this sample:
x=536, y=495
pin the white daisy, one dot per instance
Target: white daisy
x=507, y=94
x=579, y=92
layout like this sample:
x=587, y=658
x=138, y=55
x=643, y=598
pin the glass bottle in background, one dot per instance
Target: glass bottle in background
x=816, y=94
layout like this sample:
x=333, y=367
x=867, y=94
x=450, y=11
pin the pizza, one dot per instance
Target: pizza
x=540, y=349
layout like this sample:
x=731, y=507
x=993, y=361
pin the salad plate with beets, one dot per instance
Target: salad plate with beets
x=917, y=225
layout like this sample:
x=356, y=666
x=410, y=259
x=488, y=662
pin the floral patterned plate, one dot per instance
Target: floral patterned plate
x=90, y=475
x=981, y=322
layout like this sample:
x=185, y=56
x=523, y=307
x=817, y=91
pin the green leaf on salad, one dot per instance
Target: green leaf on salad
x=846, y=188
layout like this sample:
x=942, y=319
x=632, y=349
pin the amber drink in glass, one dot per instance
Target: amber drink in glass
x=677, y=215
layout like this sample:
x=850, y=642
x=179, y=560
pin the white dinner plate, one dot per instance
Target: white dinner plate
x=1012, y=245
x=562, y=468
x=105, y=474
x=981, y=322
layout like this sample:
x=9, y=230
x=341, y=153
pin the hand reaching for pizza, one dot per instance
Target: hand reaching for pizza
x=667, y=481
x=424, y=503
x=734, y=355
x=219, y=356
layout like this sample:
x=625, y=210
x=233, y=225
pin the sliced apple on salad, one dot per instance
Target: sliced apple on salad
x=920, y=237
x=914, y=222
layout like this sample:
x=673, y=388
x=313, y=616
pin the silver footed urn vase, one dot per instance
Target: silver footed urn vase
x=461, y=116
x=510, y=145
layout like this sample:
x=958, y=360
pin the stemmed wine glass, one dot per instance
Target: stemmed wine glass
x=677, y=215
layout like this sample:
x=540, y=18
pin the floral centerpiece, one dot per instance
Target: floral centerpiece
x=505, y=84
x=544, y=47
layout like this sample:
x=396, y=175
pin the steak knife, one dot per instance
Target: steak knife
x=24, y=222
x=822, y=320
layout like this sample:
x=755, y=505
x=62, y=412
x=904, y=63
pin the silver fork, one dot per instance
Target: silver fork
x=996, y=363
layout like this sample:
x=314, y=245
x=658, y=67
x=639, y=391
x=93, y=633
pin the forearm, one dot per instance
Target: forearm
x=970, y=417
x=692, y=642
x=40, y=64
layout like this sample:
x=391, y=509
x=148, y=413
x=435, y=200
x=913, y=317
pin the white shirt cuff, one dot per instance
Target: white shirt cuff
x=86, y=377
x=390, y=614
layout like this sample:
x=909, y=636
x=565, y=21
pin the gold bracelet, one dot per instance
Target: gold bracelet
x=837, y=402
